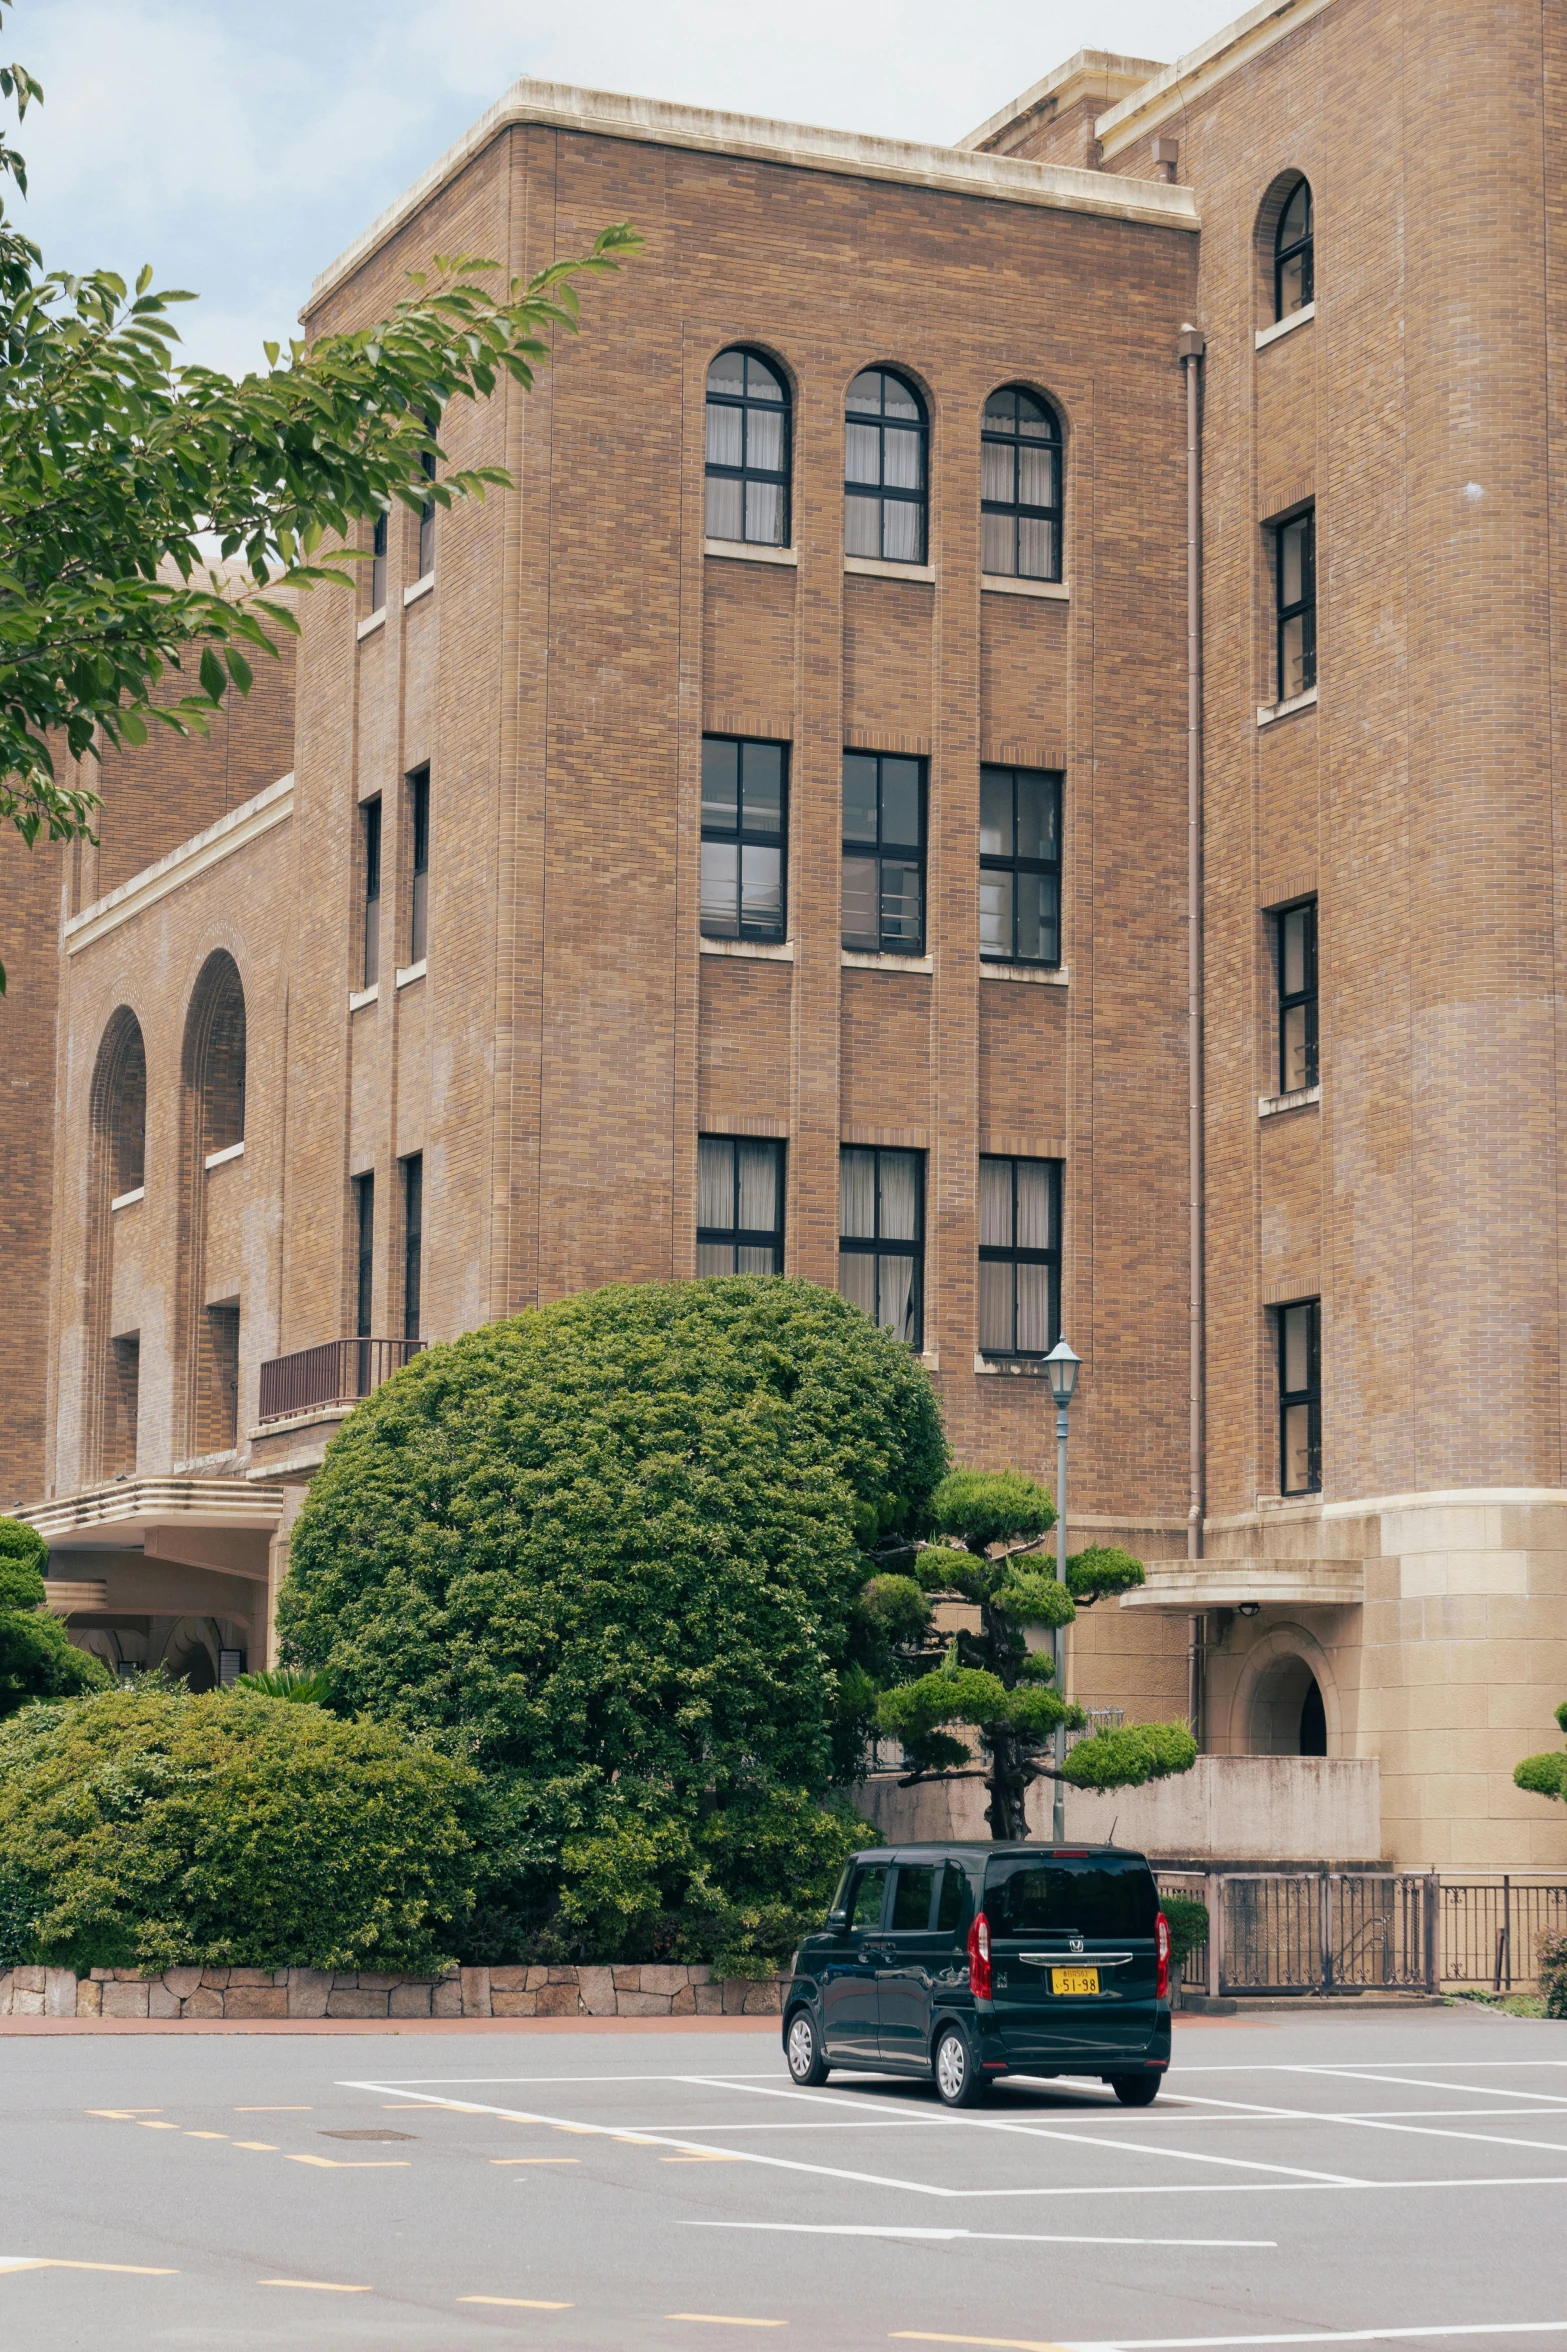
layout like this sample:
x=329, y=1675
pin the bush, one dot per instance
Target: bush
x=612, y=1551
x=37, y=1657
x=1553, y=1974
x=149, y=1828
x=1188, y=1922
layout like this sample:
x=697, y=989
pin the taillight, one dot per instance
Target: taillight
x=979, y=1957
x=1161, y=1945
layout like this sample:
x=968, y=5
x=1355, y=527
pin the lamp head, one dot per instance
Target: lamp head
x=1061, y=1365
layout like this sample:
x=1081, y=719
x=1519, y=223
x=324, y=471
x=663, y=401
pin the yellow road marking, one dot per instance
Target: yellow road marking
x=196, y=2135
x=124, y=2114
x=998, y=2343
x=144, y=2125
x=316, y=2286
x=49, y=2262
x=535, y=2160
x=349, y=2163
x=590, y=2129
x=517, y=2302
x=724, y=2319
x=263, y=2147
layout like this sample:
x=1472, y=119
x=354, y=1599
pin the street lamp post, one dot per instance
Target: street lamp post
x=1061, y=1365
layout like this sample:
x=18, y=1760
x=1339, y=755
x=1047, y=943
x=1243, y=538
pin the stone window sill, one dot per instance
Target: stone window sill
x=1013, y=1367
x=377, y=620
x=219, y=1159
x=1001, y=584
x=1267, y=713
x=420, y=588
x=126, y=1200
x=877, y=570
x=930, y=1359
x=411, y=972
x=772, y=951
x=853, y=960
x=1041, y=975
x=1286, y=326
x=743, y=551
x=358, y=998
x=1304, y=1097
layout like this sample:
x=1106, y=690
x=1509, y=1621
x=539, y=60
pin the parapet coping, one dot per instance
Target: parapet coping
x=235, y=831
x=654, y=122
x=1192, y=77
x=205, y=1502
x=1091, y=72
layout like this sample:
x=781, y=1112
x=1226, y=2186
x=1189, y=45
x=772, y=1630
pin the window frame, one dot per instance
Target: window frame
x=992, y=862
x=1303, y=608
x=782, y=478
x=889, y=494
x=997, y=1253
x=1284, y=254
x=877, y=1246
x=412, y=1167
x=745, y=837
x=737, y=1237
x=1020, y=510
x=1304, y=998
x=882, y=852
x=371, y=837
x=364, y=1254
x=378, y=545
x=1310, y=1396
x=419, y=863
x=426, y=550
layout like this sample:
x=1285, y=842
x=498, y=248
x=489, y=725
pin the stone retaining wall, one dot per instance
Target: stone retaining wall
x=633, y=1990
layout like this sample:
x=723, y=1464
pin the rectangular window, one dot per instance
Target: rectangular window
x=427, y=511
x=1300, y=1396
x=413, y=1241
x=883, y=853
x=1019, y=1256
x=1296, y=949
x=419, y=902
x=223, y=1356
x=744, y=824
x=378, y=565
x=740, y=1206
x=1019, y=866
x=124, y=1404
x=370, y=826
x=881, y=1246
x=364, y=1263
x=1295, y=588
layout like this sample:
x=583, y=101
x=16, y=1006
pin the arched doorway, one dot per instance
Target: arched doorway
x=1288, y=1716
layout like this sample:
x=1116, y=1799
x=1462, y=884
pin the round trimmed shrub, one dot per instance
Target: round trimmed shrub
x=38, y=1659
x=149, y=1828
x=612, y=1551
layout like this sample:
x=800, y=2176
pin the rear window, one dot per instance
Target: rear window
x=1109, y=1896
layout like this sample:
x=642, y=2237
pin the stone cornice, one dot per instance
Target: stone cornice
x=1194, y=75
x=235, y=831
x=1092, y=73
x=753, y=138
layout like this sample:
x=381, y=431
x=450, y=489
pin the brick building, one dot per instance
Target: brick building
x=762, y=839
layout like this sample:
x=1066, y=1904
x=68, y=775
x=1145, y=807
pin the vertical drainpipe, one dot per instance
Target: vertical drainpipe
x=1190, y=350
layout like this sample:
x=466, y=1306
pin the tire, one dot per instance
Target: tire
x=1136, y=2090
x=803, y=2052
x=958, y=2080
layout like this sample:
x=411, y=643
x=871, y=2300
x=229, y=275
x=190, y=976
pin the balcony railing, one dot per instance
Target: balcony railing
x=338, y=1372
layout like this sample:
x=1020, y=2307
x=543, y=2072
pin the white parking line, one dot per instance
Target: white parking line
x=1416, y=2083
x=1498, y=2327
x=856, y=2229
x=1376, y=2123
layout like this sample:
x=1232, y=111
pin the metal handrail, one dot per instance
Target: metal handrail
x=336, y=1372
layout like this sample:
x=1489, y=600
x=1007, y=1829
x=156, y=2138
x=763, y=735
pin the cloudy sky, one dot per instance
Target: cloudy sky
x=238, y=148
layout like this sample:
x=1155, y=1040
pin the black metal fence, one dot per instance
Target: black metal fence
x=1345, y=1931
x=337, y=1372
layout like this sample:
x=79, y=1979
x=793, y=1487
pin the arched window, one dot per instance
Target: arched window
x=1293, y=275
x=118, y=1112
x=885, y=469
x=215, y=1055
x=211, y=1237
x=119, y=1104
x=747, y=451
x=1020, y=487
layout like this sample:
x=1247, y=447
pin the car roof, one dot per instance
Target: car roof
x=982, y=1849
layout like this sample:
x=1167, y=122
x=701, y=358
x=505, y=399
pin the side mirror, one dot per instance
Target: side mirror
x=837, y=1919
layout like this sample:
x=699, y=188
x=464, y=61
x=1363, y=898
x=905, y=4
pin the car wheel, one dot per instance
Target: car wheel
x=803, y=2050
x=1136, y=2090
x=959, y=2082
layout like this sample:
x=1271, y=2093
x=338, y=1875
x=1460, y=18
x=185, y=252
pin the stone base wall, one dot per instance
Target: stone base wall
x=631, y=1990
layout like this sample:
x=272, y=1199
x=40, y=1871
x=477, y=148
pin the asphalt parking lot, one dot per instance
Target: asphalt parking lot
x=1353, y=2177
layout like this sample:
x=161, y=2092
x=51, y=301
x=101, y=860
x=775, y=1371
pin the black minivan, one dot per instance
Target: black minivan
x=960, y=1963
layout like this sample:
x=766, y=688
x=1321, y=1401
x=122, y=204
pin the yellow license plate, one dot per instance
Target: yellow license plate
x=1074, y=1980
